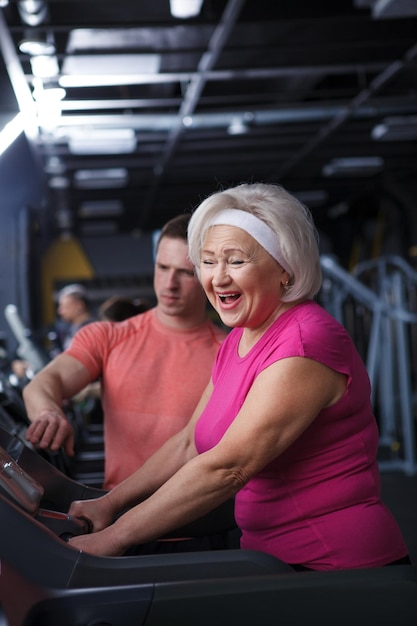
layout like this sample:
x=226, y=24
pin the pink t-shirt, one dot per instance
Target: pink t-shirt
x=152, y=378
x=318, y=504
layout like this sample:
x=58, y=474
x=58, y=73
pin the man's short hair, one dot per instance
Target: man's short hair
x=176, y=228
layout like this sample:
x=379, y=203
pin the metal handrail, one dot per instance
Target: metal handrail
x=351, y=285
x=387, y=356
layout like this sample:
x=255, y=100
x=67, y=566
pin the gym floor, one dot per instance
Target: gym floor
x=399, y=493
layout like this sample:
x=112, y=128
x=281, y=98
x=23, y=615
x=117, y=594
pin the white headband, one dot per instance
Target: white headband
x=255, y=227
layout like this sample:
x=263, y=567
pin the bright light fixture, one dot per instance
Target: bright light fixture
x=354, y=166
x=36, y=42
x=105, y=39
x=85, y=64
x=33, y=12
x=237, y=126
x=313, y=197
x=101, y=178
x=59, y=182
x=49, y=95
x=184, y=9
x=100, y=208
x=44, y=66
x=101, y=141
x=399, y=128
x=89, y=70
x=48, y=105
x=54, y=166
x=102, y=227
x=35, y=47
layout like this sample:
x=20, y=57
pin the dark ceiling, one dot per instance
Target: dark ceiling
x=255, y=90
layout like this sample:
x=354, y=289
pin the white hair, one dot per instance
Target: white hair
x=289, y=219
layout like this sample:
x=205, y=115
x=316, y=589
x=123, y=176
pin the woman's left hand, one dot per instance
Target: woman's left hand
x=102, y=543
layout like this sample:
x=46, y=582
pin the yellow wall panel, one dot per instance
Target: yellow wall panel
x=65, y=260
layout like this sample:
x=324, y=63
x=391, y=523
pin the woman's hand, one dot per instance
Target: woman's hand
x=103, y=543
x=98, y=511
x=104, y=540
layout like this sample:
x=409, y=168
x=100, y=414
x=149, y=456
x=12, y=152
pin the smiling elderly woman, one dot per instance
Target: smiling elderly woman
x=285, y=425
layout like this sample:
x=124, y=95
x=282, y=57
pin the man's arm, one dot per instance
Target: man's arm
x=60, y=380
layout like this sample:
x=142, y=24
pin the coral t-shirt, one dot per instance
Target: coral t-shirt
x=317, y=504
x=152, y=379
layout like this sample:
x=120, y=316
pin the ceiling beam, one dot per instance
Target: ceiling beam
x=347, y=112
x=191, y=97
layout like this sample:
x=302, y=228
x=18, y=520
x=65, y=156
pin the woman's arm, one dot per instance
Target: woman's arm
x=284, y=399
x=60, y=380
x=163, y=464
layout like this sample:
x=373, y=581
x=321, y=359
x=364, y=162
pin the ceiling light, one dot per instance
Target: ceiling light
x=36, y=47
x=104, y=178
x=396, y=129
x=187, y=121
x=89, y=70
x=33, y=12
x=36, y=43
x=105, y=39
x=48, y=104
x=44, y=66
x=55, y=166
x=105, y=64
x=59, y=182
x=354, y=166
x=313, y=197
x=101, y=208
x=237, y=126
x=103, y=227
x=101, y=141
x=49, y=95
x=184, y=9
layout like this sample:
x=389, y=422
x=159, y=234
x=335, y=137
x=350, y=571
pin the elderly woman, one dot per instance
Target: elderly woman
x=285, y=425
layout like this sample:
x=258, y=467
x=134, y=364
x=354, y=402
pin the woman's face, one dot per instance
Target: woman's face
x=241, y=280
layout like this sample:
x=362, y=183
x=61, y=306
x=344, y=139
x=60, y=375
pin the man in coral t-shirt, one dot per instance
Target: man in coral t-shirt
x=153, y=367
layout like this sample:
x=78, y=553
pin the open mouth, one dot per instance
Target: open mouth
x=228, y=298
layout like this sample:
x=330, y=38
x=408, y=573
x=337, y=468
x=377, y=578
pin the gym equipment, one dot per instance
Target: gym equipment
x=377, y=305
x=59, y=490
x=44, y=581
x=14, y=420
x=26, y=349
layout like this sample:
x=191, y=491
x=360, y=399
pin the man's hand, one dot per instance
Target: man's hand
x=51, y=430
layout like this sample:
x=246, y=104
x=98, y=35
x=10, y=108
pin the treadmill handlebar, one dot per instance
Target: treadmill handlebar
x=24, y=489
